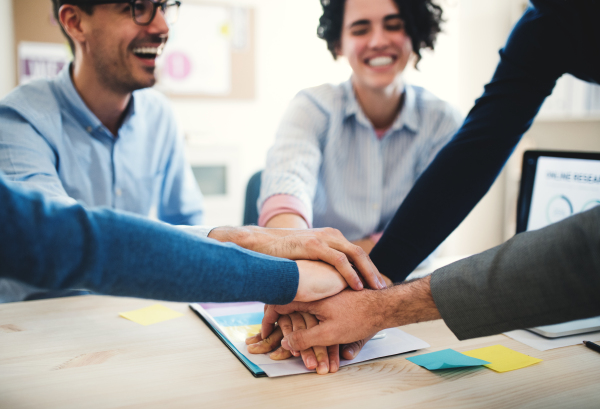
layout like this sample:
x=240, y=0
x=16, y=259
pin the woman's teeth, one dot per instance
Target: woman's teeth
x=380, y=61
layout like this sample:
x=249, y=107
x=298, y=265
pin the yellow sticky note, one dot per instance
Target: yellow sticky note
x=151, y=315
x=502, y=359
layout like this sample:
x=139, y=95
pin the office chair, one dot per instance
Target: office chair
x=252, y=193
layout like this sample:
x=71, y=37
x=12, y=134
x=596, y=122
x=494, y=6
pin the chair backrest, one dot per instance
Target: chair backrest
x=252, y=193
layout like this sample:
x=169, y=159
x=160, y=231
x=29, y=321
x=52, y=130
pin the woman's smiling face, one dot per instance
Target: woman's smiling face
x=374, y=42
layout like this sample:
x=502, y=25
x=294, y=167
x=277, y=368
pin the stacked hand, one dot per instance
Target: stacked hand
x=328, y=245
x=350, y=317
x=336, y=264
x=285, y=329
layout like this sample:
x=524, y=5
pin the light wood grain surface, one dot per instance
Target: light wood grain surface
x=78, y=353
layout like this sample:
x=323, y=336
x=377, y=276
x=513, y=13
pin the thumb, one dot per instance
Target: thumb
x=305, y=338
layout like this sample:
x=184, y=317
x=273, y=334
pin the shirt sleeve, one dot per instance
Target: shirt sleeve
x=181, y=201
x=467, y=166
x=279, y=204
x=294, y=161
x=541, y=277
x=55, y=246
x=27, y=159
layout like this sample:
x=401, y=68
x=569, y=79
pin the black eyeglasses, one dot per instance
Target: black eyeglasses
x=142, y=11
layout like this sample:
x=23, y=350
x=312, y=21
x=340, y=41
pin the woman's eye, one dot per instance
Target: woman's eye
x=359, y=32
x=395, y=27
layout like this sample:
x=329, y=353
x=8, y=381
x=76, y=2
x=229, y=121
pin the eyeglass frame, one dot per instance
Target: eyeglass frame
x=156, y=4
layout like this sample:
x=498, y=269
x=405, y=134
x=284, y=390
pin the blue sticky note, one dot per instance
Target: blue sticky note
x=238, y=320
x=445, y=359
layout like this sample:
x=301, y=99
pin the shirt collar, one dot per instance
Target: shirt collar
x=409, y=116
x=82, y=114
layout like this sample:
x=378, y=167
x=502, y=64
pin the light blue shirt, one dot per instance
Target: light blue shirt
x=327, y=154
x=50, y=141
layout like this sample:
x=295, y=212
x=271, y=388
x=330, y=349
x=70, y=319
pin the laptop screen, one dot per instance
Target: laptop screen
x=556, y=185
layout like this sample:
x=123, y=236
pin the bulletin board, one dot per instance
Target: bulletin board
x=210, y=53
x=35, y=24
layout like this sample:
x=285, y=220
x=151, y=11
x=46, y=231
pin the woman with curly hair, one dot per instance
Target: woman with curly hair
x=346, y=155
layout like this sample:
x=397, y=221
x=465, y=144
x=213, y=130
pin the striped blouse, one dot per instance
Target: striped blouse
x=327, y=156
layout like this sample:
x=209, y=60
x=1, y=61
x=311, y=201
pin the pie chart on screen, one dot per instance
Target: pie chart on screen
x=590, y=204
x=559, y=207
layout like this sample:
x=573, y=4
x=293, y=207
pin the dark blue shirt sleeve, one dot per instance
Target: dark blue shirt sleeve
x=547, y=42
x=56, y=246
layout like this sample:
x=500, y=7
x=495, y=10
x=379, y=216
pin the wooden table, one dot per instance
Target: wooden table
x=78, y=353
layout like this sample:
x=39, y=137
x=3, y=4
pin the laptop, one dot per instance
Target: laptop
x=554, y=186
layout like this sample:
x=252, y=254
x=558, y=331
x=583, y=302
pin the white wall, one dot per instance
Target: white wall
x=483, y=29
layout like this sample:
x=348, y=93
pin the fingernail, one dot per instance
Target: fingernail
x=382, y=282
x=285, y=344
x=322, y=369
x=311, y=362
x=350, y=350
x=333, y=367
x=360, y=285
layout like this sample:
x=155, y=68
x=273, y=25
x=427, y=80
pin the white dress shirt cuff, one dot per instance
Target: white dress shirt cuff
x=201, y=231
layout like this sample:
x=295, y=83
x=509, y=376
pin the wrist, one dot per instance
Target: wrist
x=242, y=236
x=409, y=303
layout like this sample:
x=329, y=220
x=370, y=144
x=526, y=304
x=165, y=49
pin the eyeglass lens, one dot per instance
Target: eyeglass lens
x=143, y=11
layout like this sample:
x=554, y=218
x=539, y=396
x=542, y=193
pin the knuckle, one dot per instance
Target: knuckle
x=358, y=252
x=341, y=258
x=299, y=341
x=313, y=242
x=286, y=327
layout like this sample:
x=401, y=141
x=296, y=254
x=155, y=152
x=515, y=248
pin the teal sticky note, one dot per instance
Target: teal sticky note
x=445, y=359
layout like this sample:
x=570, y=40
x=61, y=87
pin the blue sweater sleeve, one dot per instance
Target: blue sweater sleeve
x=56, y=246
x=464, y=170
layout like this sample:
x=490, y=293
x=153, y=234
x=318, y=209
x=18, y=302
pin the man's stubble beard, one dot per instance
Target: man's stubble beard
x=119, y=79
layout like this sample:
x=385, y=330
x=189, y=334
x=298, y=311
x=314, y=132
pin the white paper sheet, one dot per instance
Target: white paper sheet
x=396, y=342
x=544, y=344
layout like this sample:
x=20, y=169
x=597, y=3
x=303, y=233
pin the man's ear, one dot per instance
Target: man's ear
x=69, y=17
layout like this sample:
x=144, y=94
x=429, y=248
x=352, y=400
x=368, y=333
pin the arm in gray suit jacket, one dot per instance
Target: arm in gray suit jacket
x=536, y=278
x=540, y=277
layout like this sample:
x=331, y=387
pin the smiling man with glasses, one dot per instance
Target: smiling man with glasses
x=96, y=134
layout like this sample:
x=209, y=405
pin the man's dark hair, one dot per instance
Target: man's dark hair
x=422, y=22
x=57, y=4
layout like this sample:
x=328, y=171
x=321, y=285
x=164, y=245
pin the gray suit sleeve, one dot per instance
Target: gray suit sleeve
x=536, y=278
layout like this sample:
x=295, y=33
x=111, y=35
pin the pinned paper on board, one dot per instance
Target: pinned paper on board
x=197, y=59
x=41, y=60
x=151, y=315
x=502, y=359
x=445, y=359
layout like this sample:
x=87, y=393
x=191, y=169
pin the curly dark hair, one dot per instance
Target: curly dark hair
x=422, y=21
x=57, y=4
